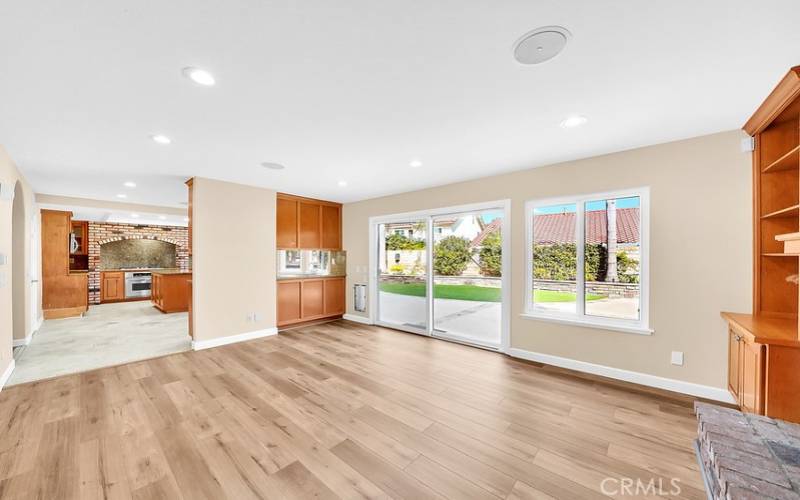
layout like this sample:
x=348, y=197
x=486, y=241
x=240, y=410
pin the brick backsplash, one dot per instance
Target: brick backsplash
x=101, y=232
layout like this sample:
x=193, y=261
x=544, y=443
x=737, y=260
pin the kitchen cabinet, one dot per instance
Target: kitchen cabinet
x=334, y=296
x=307, y=223
x=310, y=299
x=170, y=291
x=286, y=225
x=80, y=230
x=331, y=226
x=64, y=293
x=308, y=226
x=112, y=286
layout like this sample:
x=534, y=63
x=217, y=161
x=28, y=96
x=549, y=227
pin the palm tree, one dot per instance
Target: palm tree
x=611, y=241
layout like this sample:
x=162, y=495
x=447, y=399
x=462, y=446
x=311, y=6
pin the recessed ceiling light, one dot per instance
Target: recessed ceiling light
x=541, y=44
x=161, y=139
x=342, y=183
x=573, y=121
x=162, y=217
x=121, y=195
x=415, y=164
x=130, y=184
x=272, y=165
x=135, y=216
x=199, y=76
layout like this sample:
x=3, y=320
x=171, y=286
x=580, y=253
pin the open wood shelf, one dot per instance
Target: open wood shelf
x=793, y=211
x=780, y=254
x=789, y=161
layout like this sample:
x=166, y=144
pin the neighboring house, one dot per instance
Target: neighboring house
x=466, y=227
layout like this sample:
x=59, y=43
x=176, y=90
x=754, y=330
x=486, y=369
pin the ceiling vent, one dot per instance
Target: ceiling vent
x=541, y=44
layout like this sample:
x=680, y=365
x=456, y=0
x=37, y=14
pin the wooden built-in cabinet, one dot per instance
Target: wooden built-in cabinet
x=764, y=347
x=112, y=286
x=308, y=223
x=170, y=291
x=80, y=228
x=310, y=299
x=65, y=293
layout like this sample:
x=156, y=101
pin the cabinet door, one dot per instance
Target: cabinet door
x=113, y=286
x=751, y=365
x=309, y=227
x=288, y=301
x=331, y=227
x=733, y=363
x=334, y=296
x=286, y=225
x=313, y=298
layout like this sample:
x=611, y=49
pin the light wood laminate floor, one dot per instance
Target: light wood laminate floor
x=339, y=411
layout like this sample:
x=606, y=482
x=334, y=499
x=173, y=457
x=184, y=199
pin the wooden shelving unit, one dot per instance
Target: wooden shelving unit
x=764, y=347
x=788, y=161
x=793, y=211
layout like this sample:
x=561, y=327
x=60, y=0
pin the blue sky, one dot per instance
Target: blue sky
x=632, y=202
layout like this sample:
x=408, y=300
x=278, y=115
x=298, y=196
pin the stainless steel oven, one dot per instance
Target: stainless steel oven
x=137, y=284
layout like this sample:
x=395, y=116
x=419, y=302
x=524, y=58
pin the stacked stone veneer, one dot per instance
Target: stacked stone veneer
x=101, y=232
x=748, y=456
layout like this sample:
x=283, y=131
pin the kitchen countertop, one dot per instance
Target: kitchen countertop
x=308, y=276
x=144, y=269
x=172, y=271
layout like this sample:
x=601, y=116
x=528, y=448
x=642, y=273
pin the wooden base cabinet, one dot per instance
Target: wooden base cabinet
x=170, y=292
x=310, y=299
x=112, y=286
x=762, y=367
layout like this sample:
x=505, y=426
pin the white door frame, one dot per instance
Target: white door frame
x=427, y=215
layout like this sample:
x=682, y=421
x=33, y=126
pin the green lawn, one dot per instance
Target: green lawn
x=472, y=292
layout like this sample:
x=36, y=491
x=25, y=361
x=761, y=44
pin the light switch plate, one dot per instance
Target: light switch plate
x=677, y=358
x=3, y=259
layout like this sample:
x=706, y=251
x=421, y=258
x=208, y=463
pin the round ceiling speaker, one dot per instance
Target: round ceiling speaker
x=541, y=44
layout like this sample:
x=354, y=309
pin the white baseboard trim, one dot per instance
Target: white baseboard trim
x=357, y=319
x=37, y=325
x=692, y=389
x=198, y=345
x=7, y=373
x=25, y=341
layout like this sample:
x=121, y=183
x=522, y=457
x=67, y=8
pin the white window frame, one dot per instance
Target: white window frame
x=640, y=326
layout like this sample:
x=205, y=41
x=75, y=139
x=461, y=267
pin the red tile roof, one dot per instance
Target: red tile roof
x=560, y=228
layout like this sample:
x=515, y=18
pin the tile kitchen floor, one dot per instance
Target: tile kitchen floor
x=109, y=334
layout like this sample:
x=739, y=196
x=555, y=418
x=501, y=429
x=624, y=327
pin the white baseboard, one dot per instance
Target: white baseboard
x=25, y=341
x=357, y=319
x=692, y=389
x=7, y=374
x=198, y=345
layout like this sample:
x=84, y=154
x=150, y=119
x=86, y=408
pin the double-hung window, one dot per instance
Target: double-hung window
x=587, y=260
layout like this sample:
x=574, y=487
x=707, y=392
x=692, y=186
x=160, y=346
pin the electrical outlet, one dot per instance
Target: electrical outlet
x=677, y=358
x=250, y=317
x=257, y=316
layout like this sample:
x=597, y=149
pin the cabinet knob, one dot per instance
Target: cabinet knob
x=738, y=338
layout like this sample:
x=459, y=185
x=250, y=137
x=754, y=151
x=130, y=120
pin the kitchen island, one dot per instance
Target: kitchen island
x=170, y=290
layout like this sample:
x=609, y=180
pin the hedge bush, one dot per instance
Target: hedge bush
x=557, y=262
x=451, y=256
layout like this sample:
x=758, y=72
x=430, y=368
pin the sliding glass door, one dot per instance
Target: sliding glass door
x=403, y=275
x=441, y=274
x=467, y=277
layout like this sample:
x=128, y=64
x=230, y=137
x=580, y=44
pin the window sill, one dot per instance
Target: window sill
x=615, y=327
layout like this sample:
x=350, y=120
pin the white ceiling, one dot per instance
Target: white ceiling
x=355, y=89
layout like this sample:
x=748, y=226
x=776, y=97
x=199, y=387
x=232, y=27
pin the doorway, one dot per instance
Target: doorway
x=444, y=273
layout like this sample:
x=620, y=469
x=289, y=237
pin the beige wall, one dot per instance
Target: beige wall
x=9, y=302
x=700, y=250
x=233, y=246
